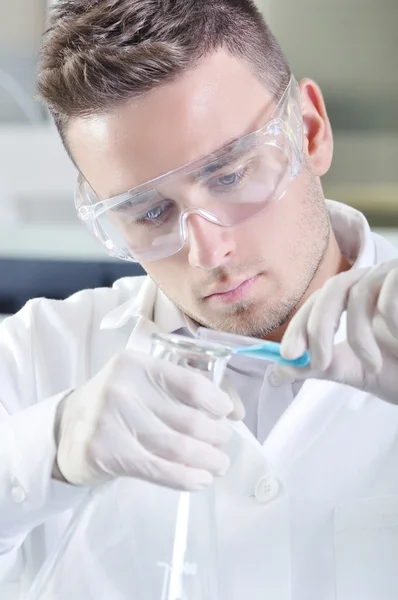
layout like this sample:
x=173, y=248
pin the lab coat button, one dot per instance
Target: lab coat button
x=18, y=494
x=266, y=489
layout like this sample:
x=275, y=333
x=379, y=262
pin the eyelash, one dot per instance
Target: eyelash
x=144, y=220
x=241, y=174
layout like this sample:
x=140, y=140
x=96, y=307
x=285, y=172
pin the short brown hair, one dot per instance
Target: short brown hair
x=99, y=53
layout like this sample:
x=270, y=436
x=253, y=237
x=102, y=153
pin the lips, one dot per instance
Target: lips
x=232, y=292
x=223, y=289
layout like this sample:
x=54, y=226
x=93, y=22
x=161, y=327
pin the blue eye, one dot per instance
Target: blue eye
x=228, y=180
x=156, y=215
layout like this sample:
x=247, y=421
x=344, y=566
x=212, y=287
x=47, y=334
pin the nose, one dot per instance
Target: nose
x=210, y=245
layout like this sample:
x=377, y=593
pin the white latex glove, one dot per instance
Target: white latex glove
x=368, y=360
x=147, y=418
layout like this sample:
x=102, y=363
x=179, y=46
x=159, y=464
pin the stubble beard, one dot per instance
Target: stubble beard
x=259, y=318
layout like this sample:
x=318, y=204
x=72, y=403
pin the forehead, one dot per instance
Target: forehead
x=195, y=115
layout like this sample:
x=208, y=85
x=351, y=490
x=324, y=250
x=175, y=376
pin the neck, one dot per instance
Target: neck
x=333, y=263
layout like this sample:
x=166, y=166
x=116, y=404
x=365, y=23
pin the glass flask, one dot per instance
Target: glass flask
x=210, y=358
x=190, y=573
x=133, y=540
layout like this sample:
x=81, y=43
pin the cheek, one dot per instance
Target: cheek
x=292, y=215
x=267, y=234
x=283, y=232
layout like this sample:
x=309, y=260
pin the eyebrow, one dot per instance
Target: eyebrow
x=131, y=200
x=232, y=154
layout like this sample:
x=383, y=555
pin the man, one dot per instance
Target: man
x=201, y=157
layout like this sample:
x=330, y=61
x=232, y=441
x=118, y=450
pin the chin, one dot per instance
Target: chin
x=240, y=318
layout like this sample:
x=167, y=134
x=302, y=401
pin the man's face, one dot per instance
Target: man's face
x=245, y=279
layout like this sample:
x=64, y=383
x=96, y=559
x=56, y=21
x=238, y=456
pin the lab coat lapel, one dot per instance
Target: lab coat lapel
x=313, y=410
x=141, y=313
x=152, y=312
x=140, y=337
x=249, y=463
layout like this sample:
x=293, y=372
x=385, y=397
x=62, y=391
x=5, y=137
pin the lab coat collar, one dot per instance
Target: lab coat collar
x=140, y=306
x=169, y=318
x=353, y=234
x=153, y=305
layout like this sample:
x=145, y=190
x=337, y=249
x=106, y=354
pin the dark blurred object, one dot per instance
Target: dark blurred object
x=21, y=280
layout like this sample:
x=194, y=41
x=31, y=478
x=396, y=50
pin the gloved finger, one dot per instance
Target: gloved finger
x=345, y=367
x=182, y=449
x=141, y=464
x=173, y=475
x=387, y=304
x=295, y=340
x=361, y=305
x=322, y=320
x=285, y=375
x=191, y=388
x=326, y=316
x=193, y=422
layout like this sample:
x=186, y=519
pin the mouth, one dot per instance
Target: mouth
x=233, y=291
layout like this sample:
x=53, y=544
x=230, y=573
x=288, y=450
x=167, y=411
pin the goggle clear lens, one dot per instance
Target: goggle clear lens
x=149, y=222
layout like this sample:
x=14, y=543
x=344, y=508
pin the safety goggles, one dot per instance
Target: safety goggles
x=227, y=188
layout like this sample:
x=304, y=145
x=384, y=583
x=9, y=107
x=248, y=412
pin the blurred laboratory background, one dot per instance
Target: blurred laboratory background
x=350, y=47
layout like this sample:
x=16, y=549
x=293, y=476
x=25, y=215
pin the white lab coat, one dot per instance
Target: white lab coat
x=312, y=514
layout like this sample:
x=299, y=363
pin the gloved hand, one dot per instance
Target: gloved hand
x=147, y=418
x=368, y=360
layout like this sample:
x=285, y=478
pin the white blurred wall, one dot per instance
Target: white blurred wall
x=350, y=47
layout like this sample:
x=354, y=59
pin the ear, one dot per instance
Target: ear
x=318, y=137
